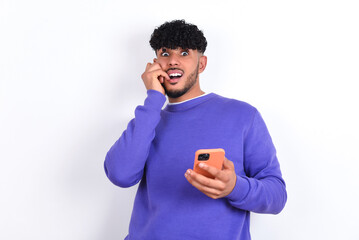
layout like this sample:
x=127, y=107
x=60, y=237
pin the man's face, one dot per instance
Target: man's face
x=183, y=67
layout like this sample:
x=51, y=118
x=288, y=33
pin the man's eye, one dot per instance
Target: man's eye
x=184, y=53
x=164, y=54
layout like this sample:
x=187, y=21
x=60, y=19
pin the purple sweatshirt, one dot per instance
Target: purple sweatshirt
x=158, y=147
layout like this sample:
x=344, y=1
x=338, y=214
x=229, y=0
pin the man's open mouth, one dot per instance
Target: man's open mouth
x=174, y=73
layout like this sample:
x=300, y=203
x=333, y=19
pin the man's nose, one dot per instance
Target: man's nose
x=173, y=60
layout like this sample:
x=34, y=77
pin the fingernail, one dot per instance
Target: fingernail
x=201, y=165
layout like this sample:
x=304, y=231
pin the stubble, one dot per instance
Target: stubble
x=190, y=82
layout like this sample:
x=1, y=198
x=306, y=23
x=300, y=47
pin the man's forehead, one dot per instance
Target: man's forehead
x=165, y=49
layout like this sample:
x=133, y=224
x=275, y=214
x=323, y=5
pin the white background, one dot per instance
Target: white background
x=70, y=76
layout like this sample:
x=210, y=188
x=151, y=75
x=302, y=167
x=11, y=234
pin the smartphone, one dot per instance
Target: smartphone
x=212, y=157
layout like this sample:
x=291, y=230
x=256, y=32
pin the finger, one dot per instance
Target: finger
x=219, y=174
x=148, y=66
x=209, y=191
x=156, y=66
x=228, y=164
x=153, y=66
x=205, y=181
x=160, y=72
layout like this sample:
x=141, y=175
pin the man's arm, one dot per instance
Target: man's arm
x=262, y=189
x=126, y=159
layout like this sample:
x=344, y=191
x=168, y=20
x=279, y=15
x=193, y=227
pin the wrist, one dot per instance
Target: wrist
x=240, y=190
x=158, y=90
x=155, y=99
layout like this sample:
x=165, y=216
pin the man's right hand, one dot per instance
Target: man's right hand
x=154, y=76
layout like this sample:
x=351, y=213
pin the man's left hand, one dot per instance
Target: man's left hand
x=222, y=184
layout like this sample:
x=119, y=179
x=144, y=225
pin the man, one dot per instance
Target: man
x=158, y=148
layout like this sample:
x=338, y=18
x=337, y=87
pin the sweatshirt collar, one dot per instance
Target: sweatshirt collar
x=184, y=105
x=188, y=99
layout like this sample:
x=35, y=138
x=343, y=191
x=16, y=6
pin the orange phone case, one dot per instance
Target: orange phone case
x=215, y=159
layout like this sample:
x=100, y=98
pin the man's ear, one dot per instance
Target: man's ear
x=202, y=63
x=154, y=60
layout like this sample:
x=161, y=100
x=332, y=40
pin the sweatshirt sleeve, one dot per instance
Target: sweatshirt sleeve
x=262, y=189
x=125, y=161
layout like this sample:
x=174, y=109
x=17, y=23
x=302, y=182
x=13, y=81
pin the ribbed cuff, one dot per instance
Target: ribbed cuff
x=240, y=190
x=155, y=99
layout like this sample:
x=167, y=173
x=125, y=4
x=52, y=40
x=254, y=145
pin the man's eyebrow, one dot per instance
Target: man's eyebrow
x=164, y=49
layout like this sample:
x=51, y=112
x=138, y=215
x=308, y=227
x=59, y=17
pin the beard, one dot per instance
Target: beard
x=190, y=81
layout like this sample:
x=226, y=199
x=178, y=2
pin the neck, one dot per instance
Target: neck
x=192, y=93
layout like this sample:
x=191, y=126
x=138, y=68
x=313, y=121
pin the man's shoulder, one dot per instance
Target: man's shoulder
x=233, y=104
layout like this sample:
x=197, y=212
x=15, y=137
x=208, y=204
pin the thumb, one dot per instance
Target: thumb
x=227, y=164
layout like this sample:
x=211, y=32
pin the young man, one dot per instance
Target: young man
x=158, y=149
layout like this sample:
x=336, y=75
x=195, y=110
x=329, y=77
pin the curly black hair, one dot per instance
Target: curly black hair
x=178, y=33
